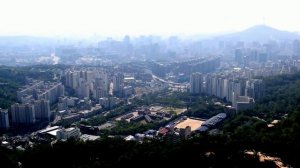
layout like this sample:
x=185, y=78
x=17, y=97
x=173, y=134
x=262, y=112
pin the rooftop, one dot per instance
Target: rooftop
x=53, y=132
x=48, y=129
x=86, y=137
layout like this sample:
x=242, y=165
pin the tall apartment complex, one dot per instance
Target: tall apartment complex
x=227, y=87
x=4, y=121
x=23, y=114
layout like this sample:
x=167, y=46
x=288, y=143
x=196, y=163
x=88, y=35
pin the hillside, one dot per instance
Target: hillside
x=261, y=33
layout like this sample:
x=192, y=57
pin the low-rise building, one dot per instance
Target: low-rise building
x=67, y=133
x=244, y=103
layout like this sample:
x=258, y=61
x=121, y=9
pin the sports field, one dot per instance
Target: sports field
x=194, y=124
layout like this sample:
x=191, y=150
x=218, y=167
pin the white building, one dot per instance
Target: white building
x=64, y=134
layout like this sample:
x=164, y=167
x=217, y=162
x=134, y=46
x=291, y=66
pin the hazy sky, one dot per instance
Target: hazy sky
x=119, y=17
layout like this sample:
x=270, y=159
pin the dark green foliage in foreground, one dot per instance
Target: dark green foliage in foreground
x=10, y=80
x=282, y=96
x=127, y=128
x=282, y=140
x=202, y=108
x=164, y=97
x=205, y=151
x=9, y=158
x=131, y=128
x=246, y=131
x=250, y=127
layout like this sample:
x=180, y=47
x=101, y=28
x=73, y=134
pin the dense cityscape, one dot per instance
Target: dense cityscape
x=146, y=99
x=228, y=99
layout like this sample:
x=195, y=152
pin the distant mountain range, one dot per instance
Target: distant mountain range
x=259, y=33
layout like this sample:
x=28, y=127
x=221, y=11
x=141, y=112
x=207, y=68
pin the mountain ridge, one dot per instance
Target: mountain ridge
x=260, y=33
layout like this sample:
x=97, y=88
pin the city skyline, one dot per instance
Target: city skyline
x=117, y=18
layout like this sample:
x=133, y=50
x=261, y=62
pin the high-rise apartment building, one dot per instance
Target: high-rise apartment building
x=118, y=80
x=4, y=120
x=23, y=114
x=196, y=81
x=42, y=110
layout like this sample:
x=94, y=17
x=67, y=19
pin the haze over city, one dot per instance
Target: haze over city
x=143, y=17
x=140, y=83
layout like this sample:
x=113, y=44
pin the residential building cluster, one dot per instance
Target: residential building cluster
x=97, y=84
x=38, y=90
x=229, y=87
x=35, y=101
x=240, y=86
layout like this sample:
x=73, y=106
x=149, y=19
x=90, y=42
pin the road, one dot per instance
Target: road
x=172, y=84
